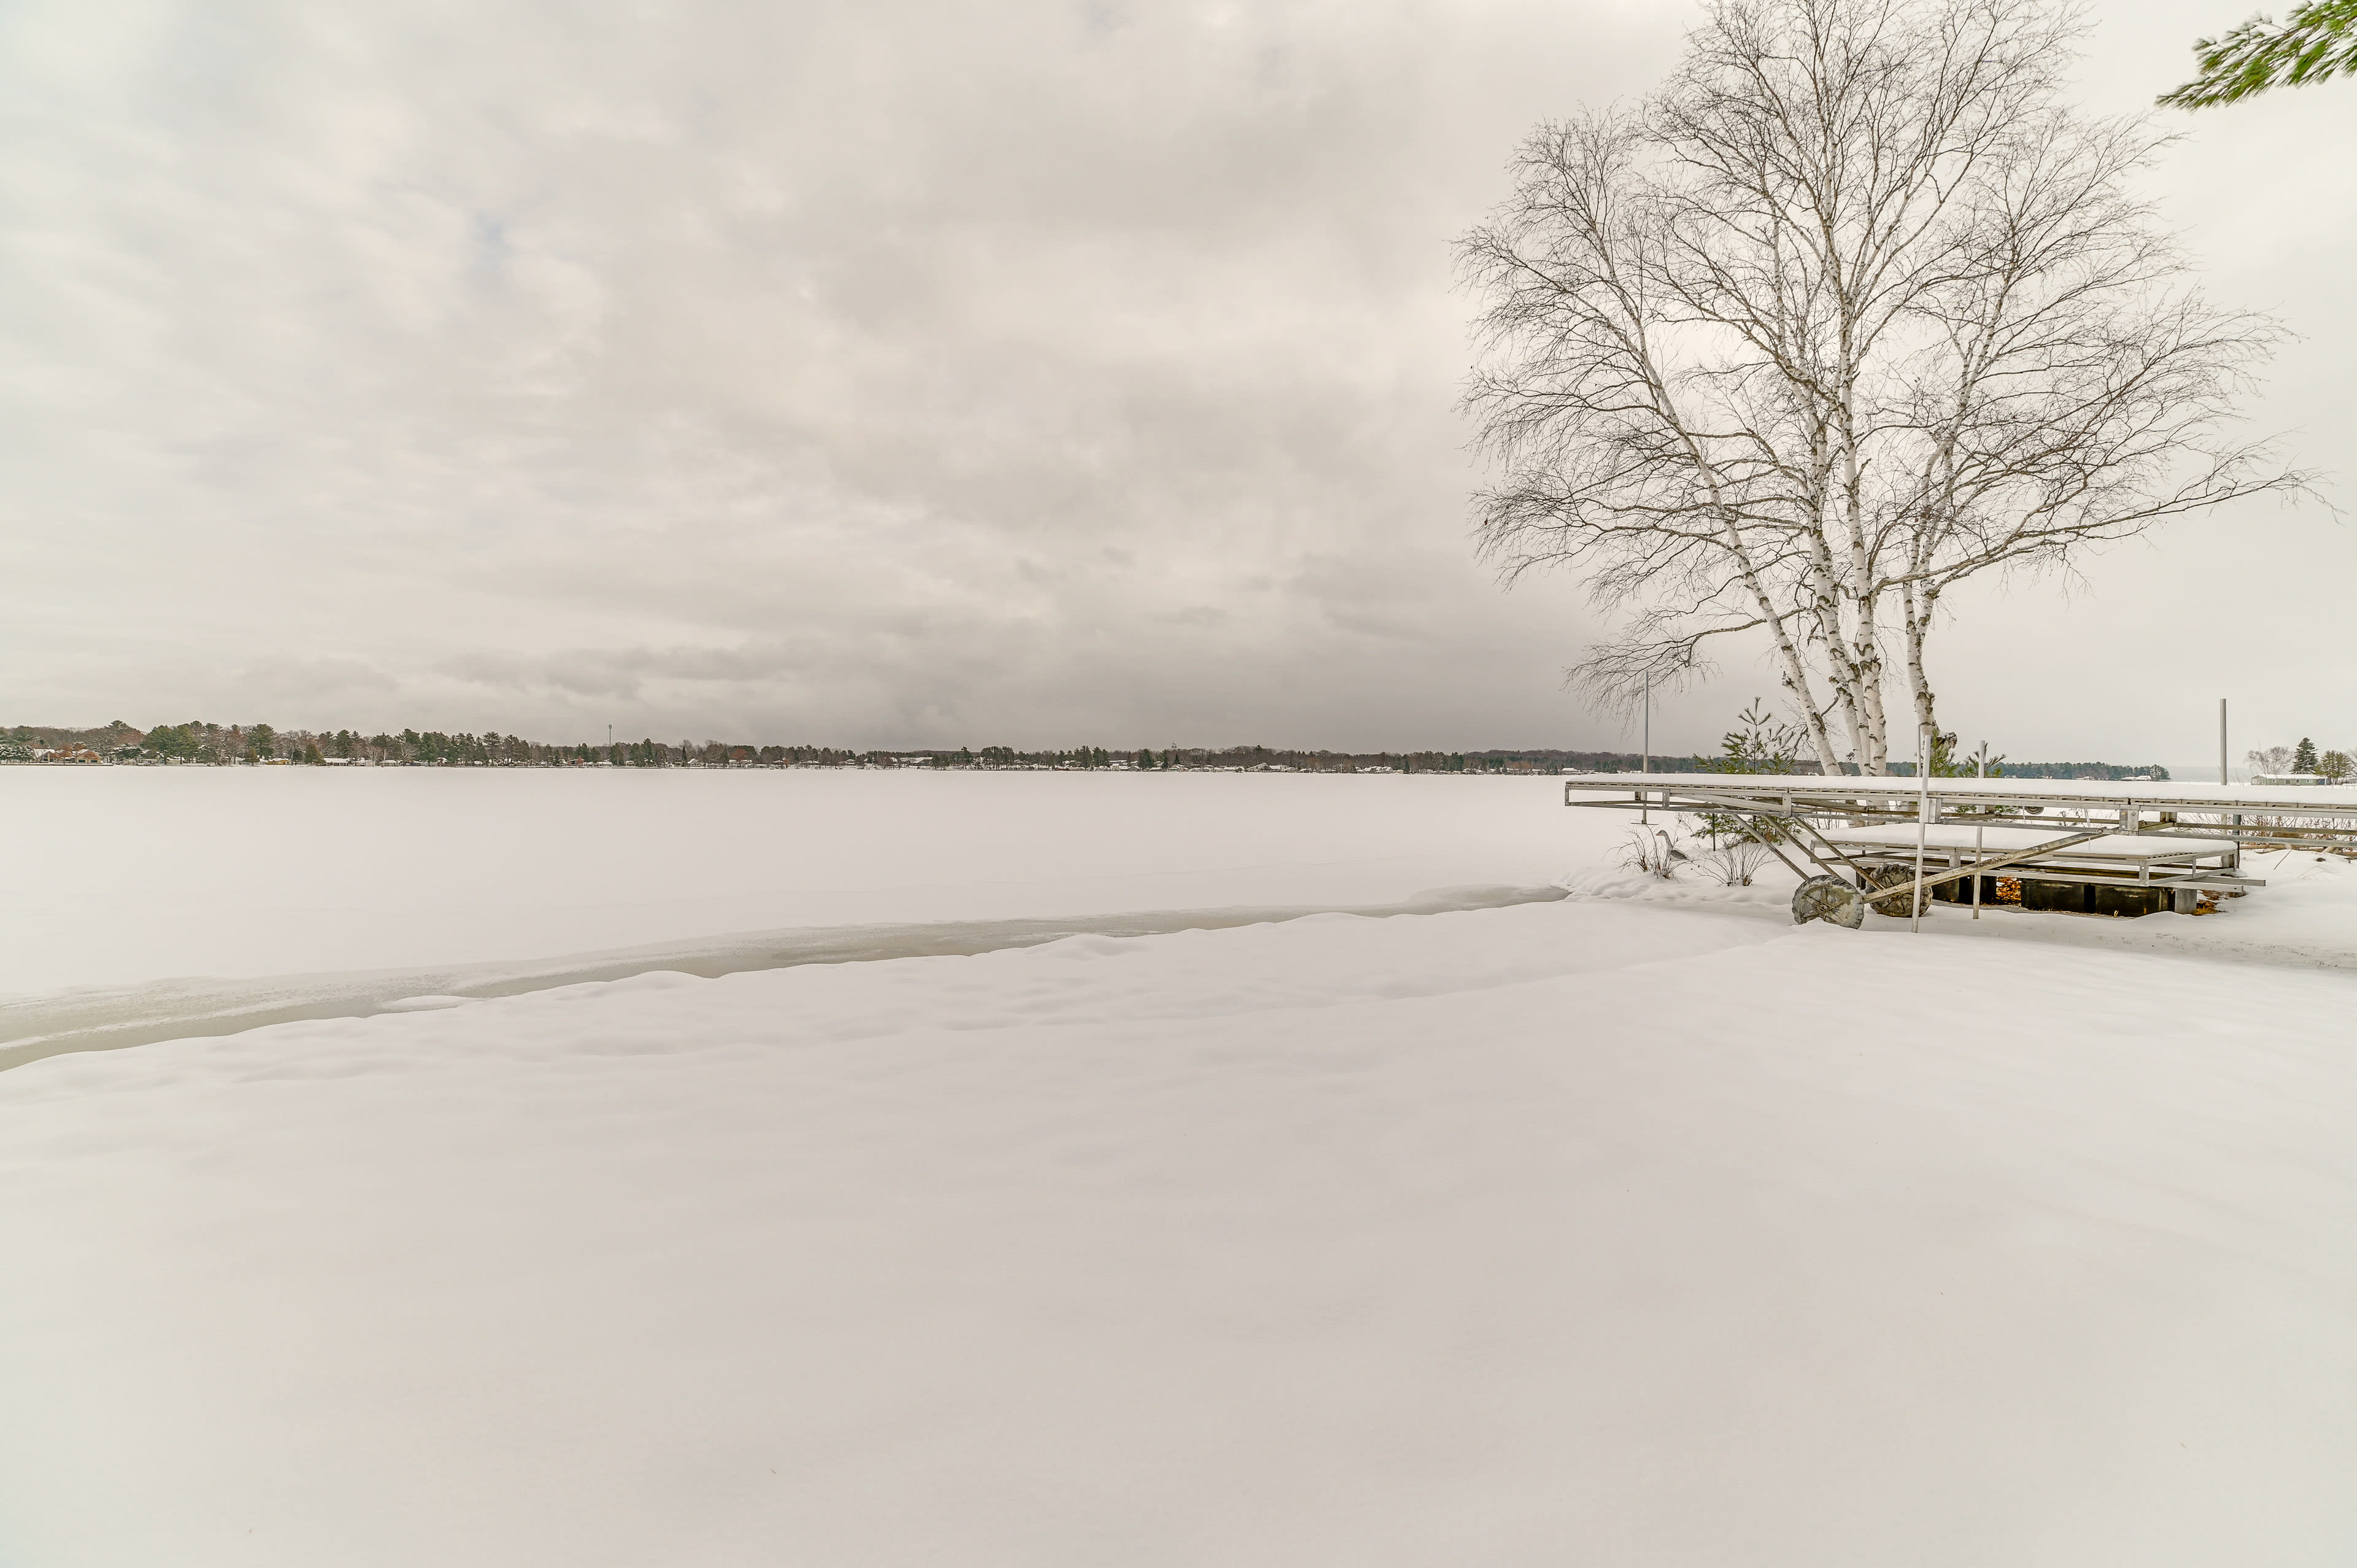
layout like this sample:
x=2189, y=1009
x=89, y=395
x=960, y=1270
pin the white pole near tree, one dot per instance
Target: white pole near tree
x=1646, y=758
x=1922, y=822
x=1980, y=833
x=2223, y=779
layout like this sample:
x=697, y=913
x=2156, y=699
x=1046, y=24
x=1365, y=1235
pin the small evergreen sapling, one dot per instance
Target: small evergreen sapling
x=1946, y=764
x=1760, y=743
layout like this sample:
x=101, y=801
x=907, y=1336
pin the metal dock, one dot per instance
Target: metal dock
x=2123, y=848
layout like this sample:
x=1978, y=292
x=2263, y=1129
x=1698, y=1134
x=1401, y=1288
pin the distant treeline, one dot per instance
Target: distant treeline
x=202, y=742
x=1630, y=762
x=2075, y=770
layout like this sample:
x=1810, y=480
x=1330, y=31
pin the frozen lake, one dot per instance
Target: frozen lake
x=1638, y=1227
x=135, y=875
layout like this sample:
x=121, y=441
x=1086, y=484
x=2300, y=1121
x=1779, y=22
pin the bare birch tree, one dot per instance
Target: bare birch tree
x=1852, y=311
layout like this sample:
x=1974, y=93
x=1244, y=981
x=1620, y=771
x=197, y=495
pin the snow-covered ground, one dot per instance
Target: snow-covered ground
x=1639, y=1226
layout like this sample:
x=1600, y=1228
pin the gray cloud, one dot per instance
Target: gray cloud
x=894, y=373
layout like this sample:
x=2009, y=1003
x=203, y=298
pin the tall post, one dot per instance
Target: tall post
x=2223, y=779
x=1980, y=833
x=1922, y=822
x=1645, y=760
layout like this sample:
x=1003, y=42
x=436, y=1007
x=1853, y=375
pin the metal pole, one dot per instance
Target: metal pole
x=1922, y=821
x=1645, y=762
x=1980, y=831
x=2222, y=741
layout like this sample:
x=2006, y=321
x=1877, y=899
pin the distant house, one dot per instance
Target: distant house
x=2275, y=779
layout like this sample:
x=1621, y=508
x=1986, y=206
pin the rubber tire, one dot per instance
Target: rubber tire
x=1830, y=899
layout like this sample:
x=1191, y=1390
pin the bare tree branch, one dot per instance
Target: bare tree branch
x=1850, y=312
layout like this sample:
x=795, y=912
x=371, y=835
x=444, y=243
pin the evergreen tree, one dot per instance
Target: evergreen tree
x=1760, y=743
x=173, y=740
x=1946, y=764
x=2316, y=43
x=2303, y=756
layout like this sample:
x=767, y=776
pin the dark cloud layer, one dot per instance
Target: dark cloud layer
x=888, y=373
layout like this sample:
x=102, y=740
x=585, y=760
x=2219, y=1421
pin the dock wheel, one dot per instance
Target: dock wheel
x=1829, y=898
x=1894, y=904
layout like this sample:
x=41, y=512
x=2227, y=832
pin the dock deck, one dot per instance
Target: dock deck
x=2167, y=843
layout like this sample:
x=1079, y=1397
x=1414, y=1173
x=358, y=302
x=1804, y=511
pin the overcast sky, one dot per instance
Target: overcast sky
x=909, y=371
